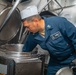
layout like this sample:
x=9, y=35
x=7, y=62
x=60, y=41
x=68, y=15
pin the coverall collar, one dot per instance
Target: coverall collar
x=47, y=31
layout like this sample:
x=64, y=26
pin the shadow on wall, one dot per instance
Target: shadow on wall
x=47, y=14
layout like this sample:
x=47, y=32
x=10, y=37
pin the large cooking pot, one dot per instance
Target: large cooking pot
x=12, y=47
x=14, y=50
x=65, y=71
x=12, y=27
x=23, y=62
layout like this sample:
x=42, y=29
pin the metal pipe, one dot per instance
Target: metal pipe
x=45, y=5
x=49, y=2
x=60, y=6
x=63, y=7
x=9, y=14
x=20, y=34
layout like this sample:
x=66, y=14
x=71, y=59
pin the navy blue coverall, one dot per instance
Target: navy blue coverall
x=59, y=41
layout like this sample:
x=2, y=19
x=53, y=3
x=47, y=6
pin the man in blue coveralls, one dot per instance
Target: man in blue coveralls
x=54, y=34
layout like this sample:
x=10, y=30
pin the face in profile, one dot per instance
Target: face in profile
x=31, y=26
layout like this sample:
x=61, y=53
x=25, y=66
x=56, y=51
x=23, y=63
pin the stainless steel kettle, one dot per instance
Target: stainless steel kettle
x=65, y=71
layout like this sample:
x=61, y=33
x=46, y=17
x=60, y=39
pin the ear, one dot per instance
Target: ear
x=25, y=23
